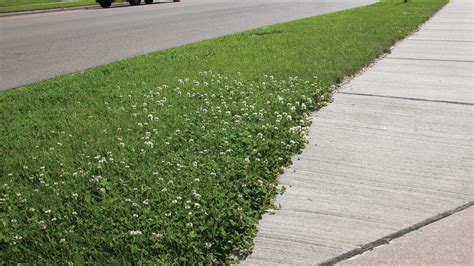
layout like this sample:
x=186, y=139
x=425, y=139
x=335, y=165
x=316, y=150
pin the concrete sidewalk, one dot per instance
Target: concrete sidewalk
x=449, y=241
x=394, y=151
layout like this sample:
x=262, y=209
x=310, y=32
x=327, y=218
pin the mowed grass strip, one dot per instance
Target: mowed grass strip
x=9, y=6
x=158, y=159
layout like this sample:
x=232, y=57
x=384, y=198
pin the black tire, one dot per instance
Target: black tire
x=149, y=1
x=105, y=3
x=134, y=2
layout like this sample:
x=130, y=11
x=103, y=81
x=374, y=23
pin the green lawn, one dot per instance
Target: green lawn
x=172, y=157
x=8, y=6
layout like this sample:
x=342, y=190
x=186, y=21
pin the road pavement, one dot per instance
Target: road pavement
x=36, y=47
x=393, y=151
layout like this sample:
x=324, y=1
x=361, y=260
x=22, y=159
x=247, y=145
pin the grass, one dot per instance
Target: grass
x=9, y=6
x=158, y=159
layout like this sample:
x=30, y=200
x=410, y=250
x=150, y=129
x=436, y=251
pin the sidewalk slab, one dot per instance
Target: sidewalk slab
x=435, y=50
x=420, y=79
x=394, y=149
x=445, y=35
x=447, y=242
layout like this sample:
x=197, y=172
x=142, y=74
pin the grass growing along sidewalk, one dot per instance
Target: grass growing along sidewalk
x=156, y=158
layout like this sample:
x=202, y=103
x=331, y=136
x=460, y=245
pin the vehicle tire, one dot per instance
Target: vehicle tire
x=149, y=1
x=105, y=3
x=134, y=2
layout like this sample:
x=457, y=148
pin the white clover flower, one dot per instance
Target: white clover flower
x=260, y=135
x=208, y=245
x=42, y=225
x=102, y=190
x=146, y=202
x=74, y=213
x=197, y=205
x=157, y=235
x=174, y=202
x=47, y=211
x=189, y=225
x=135, y=233
x=135, y=215
x=149, y=144
x=62, y=241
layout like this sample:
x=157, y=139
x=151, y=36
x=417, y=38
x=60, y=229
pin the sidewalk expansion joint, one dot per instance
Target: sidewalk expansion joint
x=385, y=240
x=432, y=40
x=450, y=30
x=431, y=59
x=405, y=98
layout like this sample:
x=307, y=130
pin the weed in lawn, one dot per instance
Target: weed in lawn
x=174, y=174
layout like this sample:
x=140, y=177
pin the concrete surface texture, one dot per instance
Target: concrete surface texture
x=447, y=242
x=394, y=149
x=41, y=46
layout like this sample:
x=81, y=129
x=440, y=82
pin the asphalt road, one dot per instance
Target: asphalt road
x=36, y=47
